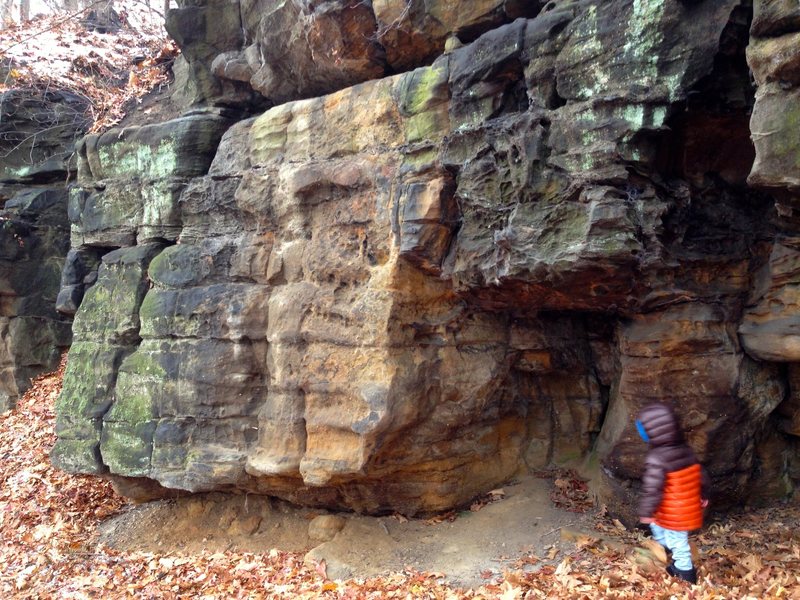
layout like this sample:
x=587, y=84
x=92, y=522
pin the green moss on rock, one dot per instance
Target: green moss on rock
x=126, y=447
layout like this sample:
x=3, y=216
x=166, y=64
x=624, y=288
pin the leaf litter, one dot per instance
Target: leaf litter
x=112, y=72
x=49, y=520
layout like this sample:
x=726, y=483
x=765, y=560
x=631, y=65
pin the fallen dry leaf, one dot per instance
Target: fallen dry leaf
x=53, y=52
x=322, y=569
x=49, y=519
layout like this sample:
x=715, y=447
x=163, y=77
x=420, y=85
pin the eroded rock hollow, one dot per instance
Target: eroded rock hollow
x=400, y=250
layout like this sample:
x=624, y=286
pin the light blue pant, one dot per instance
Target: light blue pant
x=677, y=542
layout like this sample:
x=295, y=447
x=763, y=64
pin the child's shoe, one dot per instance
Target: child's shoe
x=690, y=575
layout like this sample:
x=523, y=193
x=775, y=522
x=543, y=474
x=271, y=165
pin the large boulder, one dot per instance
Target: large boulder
x=251, y=51
x=395, y=296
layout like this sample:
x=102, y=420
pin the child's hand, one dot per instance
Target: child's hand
x=704, y=502
x=646, y=520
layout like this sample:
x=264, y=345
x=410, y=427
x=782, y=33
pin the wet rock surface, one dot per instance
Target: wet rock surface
x=394, y=297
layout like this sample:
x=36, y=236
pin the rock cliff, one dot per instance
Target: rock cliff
x=452, y=240
x=37, y=135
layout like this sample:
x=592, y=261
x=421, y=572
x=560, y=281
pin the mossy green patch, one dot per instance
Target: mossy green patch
x=126, y=448
x=134, y=159
x=77, y=456
x=432, y=125
x=109, y=310
x=422, y=89
x=588, y=53
x=137, y=384
x=16, y=173
x=420, y=159
x=422, y=98
x=71, y=427
x=87, y=390
x=157, y=313
x=644, y=41
x=268, y=134
x=144, y=363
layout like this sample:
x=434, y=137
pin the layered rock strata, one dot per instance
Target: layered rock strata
x=34, y=239
x=395, y=296
x=249, y=51
x=38, y=131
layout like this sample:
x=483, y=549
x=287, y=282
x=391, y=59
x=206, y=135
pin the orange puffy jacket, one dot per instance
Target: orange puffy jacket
x=680, y=508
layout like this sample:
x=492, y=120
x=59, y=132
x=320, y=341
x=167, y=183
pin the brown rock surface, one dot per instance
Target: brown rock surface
x=238, y=53
x=396, y=296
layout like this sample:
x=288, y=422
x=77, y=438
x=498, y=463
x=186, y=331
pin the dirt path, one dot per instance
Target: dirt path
x=468, y=549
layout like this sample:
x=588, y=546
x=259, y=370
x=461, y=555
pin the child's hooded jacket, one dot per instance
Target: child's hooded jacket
x=674, y=483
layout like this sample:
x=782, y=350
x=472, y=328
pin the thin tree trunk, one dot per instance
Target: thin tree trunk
x=24, y=10
x=6, y=13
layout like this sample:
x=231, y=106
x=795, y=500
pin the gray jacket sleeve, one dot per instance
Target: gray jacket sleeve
x=652, y=486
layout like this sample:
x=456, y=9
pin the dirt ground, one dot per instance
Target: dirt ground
x=466, y=548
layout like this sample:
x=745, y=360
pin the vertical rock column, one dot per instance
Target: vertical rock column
x=384, y=386
x=336, y=389
x=124, y=212
x=688, y=356
x=770, y=329
x=106, y=330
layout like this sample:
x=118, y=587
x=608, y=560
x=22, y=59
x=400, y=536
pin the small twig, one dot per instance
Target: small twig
x=384, y=29
x=552, y=531
x=33, y=136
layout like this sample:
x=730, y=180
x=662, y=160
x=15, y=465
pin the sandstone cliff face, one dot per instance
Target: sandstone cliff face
x=394, y=296
x=252, y=51
x=37, y=134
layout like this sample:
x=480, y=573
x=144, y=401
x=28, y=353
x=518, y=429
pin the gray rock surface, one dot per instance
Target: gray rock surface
x=34, y=239
x=247, y=52
x=38, y=131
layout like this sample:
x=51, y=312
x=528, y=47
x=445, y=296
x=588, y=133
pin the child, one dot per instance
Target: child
x=674, y=487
